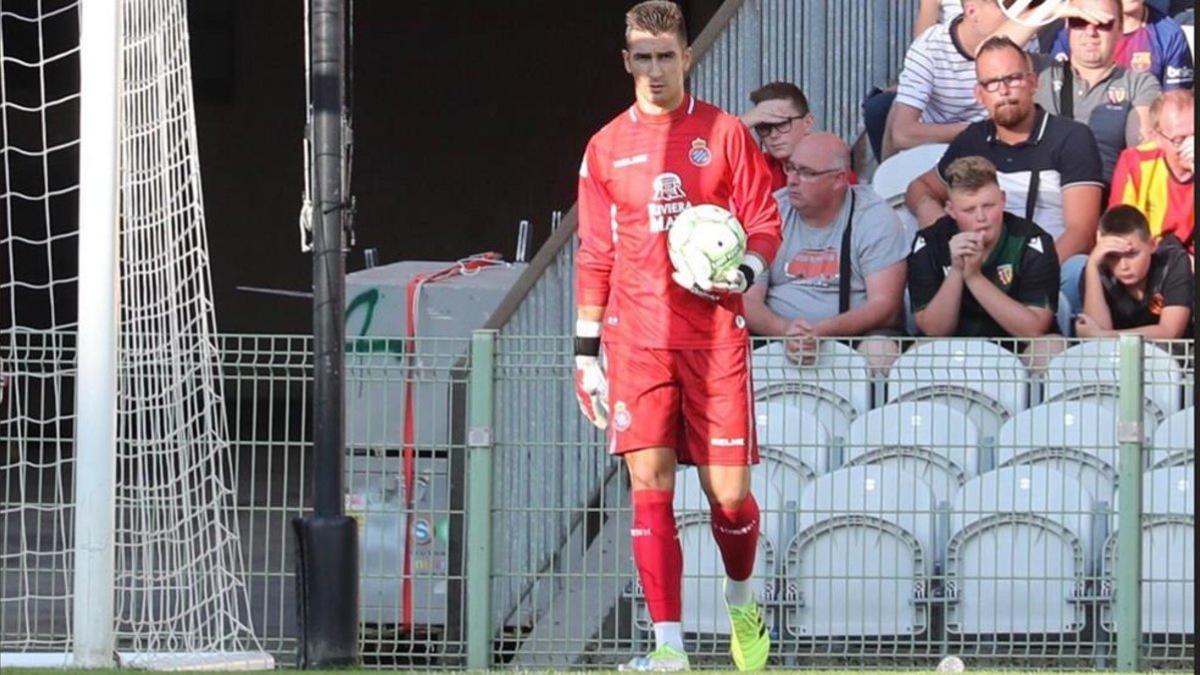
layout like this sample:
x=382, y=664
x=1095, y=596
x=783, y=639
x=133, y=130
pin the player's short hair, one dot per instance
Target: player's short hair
x=657, y=17
x=1183, y=99
x=971, y=173
x=781, y=91
x=998, y=43
x=1124, y=219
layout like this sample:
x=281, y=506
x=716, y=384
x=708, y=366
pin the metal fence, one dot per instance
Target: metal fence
x=967, y=500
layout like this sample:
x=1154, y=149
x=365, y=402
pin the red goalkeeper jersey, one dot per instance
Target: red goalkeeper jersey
x=638, y=173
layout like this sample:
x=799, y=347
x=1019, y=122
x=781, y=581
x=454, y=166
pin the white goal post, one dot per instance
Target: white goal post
x=117, y=498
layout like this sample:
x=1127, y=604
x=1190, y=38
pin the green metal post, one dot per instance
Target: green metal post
x=1129, y=517
x=479, y=500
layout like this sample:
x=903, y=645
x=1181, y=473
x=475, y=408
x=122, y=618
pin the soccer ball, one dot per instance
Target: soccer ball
x=951, y=664
x=705, y=243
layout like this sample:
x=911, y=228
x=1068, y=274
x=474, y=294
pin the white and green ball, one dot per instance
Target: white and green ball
x=706, y=241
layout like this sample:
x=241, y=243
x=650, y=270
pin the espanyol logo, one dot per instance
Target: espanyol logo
x=700, y=155
x=1038, y=16
x=621, y=418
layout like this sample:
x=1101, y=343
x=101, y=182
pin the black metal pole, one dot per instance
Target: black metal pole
x=327, y=540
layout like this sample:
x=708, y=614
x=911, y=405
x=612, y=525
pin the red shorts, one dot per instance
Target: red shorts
x=697, y=401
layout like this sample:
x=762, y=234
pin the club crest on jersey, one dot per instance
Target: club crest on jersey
x=700, y=155
x=669, y=201
x=1139, y=61
x=1005, y=274
x=1117, y=95
x=621, y=418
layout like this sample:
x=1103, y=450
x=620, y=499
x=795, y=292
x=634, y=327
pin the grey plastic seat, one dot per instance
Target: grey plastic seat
x=1168, y=553
x=703, y=578
x=931, y=441
x=1076, y=438
x=1174, y=440
x=835, y=389
x=859, y=562
x=1092, y=371
x=981, y=379
x=1019, y=553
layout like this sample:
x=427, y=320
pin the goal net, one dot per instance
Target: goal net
x=177, y=588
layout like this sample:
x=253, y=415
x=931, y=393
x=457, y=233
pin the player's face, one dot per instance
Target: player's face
x=658, y=64
x=1132, y=266
x=979, y=211
x=1092, y=45
x=1005, y=86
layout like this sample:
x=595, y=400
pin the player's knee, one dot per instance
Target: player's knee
x=729, y=498
x=651, y=478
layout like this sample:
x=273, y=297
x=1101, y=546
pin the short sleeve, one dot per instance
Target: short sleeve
x=915, y=86
x=1039, y=275
x=879, y=239
x=1078, y=160
x=925, y=276
x=1178, y=284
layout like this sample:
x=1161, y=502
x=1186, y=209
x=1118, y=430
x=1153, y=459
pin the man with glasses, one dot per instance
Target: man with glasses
x=1150, y=42
x=1158, y=176
x=781, y=119
x=840, y=271
x=1093, y=89
x=1049, y=166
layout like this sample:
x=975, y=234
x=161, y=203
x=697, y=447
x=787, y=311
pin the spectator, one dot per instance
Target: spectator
x=931, y=12
x=1158, y=177
x=934, y=100
x=1049, y=165
x=840, y=271
x=1091, y=88
x=1152, y=42
x=1133, y=284
x=781, y=119
x=980, y=271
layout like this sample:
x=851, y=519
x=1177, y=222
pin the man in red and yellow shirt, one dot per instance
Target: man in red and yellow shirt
x=1157, y=176
x=676, y=386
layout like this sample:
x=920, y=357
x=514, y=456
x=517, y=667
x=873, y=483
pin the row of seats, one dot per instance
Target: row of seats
x=860, y=552
x=942, y=446
x=981, y=379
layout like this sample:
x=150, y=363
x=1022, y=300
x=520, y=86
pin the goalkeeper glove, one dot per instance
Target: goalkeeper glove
x=591, y=387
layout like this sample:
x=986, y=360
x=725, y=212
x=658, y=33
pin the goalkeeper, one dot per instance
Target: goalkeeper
x=675, y=387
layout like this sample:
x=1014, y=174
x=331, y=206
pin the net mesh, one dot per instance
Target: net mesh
x=178, y=583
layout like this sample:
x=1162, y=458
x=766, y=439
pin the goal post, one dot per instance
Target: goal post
x=119, y=483
x=96, y=378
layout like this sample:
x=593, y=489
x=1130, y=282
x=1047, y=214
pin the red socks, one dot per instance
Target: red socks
x=657, y=553
x=736, y=532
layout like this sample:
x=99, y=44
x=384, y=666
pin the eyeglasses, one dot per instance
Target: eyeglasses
x=1075, y=23
x=766, y=128
x=1011, y=81
x=1173, y=140
x=804, y=173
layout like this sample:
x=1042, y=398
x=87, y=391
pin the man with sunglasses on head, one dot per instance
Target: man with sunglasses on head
x=1158, y=177
x=840, y=271
x=1049, y=166
x=1093, y=89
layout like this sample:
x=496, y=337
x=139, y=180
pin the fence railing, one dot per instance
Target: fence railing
x=969, y=499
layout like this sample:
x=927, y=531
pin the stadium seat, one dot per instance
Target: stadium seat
x=928, y=440
x=1168, y=553
x=835, y=389
x=703, y=577
x=1019, y=553
x=981, y=379
x=1076, y=438
x=1174, y=441
x=859, y=562
x=892, y=178
x=1091, y=370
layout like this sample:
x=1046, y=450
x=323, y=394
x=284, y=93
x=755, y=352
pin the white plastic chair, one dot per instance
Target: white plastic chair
x=1092, y=371
x=1076, y=438
x=835, y=389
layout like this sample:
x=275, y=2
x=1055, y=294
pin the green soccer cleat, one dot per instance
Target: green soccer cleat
x=749, y=644
x=665, y=659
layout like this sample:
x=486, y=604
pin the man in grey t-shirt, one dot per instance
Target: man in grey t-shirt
x=800, y=296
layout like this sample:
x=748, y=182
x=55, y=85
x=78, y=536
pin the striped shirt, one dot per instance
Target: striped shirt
x=939, y=77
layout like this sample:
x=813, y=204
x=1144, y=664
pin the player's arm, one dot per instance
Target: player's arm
x=751, y=200
x=593, y=267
